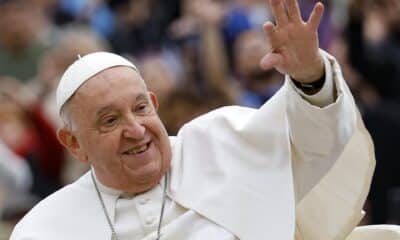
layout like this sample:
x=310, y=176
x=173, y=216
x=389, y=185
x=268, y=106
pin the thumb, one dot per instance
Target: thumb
x=270, y=60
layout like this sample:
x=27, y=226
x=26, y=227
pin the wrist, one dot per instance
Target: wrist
x=314, y=74
x=311, y=88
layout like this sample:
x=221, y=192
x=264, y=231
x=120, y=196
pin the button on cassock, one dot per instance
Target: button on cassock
x=150, y=220
x=143, y=201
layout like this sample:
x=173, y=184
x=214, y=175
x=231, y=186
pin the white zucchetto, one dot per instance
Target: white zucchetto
x=83, y=69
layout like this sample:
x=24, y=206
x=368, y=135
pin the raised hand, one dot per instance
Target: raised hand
x=294, y=43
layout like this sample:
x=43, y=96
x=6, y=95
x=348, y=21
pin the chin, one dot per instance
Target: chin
x=149, y=174
x=144, y=184
x=147, y=177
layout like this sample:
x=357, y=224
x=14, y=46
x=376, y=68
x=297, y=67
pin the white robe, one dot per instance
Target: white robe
x=289, y=168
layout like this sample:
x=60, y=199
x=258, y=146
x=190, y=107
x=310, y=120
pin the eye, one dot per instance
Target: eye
x=143, y=108
x=109, y=121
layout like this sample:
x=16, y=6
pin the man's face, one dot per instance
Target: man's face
x=118, y=131
x=249, y=48
x=18, y=24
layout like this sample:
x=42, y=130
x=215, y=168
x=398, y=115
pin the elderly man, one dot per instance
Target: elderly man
x=303, y=159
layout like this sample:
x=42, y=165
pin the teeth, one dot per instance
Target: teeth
x=137, y=150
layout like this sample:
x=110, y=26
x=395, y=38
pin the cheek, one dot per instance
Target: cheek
x=102, y=146
x=165, y=147
x=157, y=129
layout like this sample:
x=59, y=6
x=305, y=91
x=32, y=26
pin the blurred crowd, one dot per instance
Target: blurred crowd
x=196, y=55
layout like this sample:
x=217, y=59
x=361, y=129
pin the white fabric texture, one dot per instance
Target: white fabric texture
x=375, y=232
x=335, y=203
x=232, y=175
x=137, y=218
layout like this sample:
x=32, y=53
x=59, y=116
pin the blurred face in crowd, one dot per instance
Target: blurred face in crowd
x=55, y=61
x=388, y=10
x=115, y=127
x=13, y=126
x=45, y=4
x=249, y=48
x=393, y=13
x=14, y=123
x=134, y=12
x=158, y=76
x=17, y=25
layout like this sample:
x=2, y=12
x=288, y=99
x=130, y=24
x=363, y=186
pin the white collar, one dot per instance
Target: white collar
x=104, y=189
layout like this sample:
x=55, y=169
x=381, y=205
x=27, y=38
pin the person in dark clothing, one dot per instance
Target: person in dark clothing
x=374, y=51
x=140, y=24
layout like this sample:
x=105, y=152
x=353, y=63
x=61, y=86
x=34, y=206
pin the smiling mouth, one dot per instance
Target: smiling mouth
x=138, y=149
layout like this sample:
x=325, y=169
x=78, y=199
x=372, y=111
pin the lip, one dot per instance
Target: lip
x=137, y=146
x=140, y=161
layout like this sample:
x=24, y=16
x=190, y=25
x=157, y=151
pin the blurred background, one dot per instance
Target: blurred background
x=196, y=55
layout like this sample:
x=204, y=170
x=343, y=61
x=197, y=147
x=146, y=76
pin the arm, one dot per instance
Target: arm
x=332, y=153
x=319, y=126
x=215, y=62
x=212, y=49
x=319, y=123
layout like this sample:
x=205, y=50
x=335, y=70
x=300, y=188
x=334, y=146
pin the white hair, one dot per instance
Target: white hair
x=68, y=123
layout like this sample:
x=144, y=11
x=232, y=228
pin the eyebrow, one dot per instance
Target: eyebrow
x=107, y=108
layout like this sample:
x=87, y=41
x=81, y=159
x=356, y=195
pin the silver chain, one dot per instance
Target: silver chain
x=113, y=233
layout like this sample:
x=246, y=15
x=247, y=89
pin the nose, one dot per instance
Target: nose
x=134, y=129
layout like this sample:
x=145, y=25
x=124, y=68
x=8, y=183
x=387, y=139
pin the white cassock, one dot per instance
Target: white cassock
x=290, y=170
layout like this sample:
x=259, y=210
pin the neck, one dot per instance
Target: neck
x=125, y=192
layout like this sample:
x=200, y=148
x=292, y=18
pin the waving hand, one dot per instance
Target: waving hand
x=294, y=42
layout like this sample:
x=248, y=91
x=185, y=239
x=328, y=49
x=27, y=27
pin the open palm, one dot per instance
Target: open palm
x=294, y=43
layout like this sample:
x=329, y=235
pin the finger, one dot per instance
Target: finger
x=270, y=61
x=316, y=16
x=269, y=28
x=279, y=12
x=294, y=10
x=274, y=38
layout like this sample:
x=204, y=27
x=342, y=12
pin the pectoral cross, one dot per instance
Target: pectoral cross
x=114, y=236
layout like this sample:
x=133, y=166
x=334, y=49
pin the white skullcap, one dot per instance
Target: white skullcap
x=82, y=70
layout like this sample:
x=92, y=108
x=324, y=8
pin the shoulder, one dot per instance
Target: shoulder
x=229, y=116
x=52, y=210
x=66, y=196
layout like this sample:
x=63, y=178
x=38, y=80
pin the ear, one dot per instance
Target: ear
x=154, y=100
x=70, y=142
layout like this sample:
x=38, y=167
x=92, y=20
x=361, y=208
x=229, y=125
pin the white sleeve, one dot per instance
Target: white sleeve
x=327, y=94
x=319, y=134
x=333, y=160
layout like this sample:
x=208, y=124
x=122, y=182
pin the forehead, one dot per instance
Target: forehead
x=111, y=81
x=110, y=87
x=250, y=40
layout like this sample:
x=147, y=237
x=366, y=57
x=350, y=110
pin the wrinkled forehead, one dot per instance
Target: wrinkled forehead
x=86, y=68
x=113, y=89
x=112, y=80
